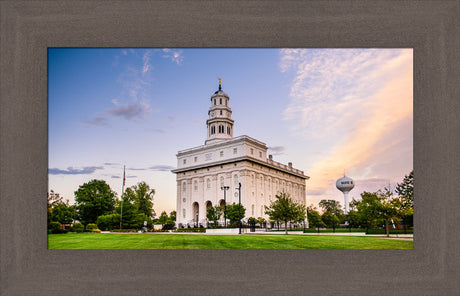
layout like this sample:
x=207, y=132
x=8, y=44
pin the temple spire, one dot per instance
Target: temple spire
x=220, y=84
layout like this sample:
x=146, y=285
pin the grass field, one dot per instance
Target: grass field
x=199, y=241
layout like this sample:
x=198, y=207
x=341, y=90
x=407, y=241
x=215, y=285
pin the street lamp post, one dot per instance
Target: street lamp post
x=225, y=188
x=239, y=205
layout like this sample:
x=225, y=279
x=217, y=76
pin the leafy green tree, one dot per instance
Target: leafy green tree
x=405, y=191
x=94, y=199
x=368, y=209
x=332, y=212
x=213, y=214
x=63, y=213
x=283, y=208
x=129, y=217
x=142, y=197
x=314, y=219
x=163, y=219
x=172, y=216
x=235, y=212
x=261, y=221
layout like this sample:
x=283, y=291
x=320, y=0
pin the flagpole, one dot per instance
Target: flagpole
x=122, y=193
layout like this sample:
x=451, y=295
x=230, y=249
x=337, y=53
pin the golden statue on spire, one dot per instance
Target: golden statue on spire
x=220, y=81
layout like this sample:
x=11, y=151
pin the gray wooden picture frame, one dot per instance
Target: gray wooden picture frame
x=28, y=28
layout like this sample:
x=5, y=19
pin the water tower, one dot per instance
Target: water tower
x=345, y=184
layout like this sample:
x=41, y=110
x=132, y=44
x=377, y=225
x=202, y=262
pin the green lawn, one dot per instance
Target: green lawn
x=200, y=241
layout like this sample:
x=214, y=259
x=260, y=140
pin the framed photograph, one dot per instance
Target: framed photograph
x=30, y=29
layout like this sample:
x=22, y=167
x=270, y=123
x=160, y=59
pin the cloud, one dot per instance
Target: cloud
x=97, y=121
x=132, y=110
x=115, y=177
x=130, y=177
x=74, y=171
x=111, y=163
x=161, y=168
x=173, y=54
x=146, y=62
x=276, y=150
x=357, y=105
x=136, y=169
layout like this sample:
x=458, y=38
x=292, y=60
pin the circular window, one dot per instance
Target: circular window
x=236, y=194
x=184, y=200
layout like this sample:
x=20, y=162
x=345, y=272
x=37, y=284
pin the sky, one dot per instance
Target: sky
x=328, y=111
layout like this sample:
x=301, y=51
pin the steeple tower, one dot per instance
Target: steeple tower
x=220, y=122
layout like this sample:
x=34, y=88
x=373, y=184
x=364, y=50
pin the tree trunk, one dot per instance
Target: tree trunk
x=387, y=229
x=285, y=227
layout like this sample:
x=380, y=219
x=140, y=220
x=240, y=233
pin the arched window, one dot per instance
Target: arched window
x=208, y=183
x=252, y=179
x=220, y=102
x=214, y=101
x=235, y=178
x=184, y=186
x=228, y=130
x=221, y=181
x=196, y=185
x=213, y=130
x=221, y=110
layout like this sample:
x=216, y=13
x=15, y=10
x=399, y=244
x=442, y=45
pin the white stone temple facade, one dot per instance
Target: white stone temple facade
x=226, y=161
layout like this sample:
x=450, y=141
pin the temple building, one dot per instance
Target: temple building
x=226, y=161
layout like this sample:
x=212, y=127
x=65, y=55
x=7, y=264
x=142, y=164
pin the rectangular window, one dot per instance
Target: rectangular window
x=183, y=213
x=196, y=158
x=185, y=161
x=252, y=151
x=235, y=150
x=221, y=153
x=260, y=154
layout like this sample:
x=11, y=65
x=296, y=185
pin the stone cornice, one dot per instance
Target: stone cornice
x=240, y=159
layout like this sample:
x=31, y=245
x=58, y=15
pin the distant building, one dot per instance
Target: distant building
x=226, y=161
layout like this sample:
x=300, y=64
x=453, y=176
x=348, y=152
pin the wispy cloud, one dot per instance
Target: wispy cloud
x=276, y=150
x=74, y=171
x=357, y=103
x=97, y=121
x=115, y=177
x=146, y=62
x=112, y=163
x=162, y=168
x=132, y=110
x=174, y=55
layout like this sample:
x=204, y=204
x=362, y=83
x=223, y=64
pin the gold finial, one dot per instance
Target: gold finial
x=220, y=81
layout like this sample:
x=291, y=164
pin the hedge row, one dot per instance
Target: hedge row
x=190, y=230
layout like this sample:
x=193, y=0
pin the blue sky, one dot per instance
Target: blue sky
x=324, y=110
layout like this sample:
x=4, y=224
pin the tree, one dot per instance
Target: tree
x=284, y=209
x=63, y=213
x=94, y=199
x=235, y=212
x=163, y=219
x=143, y=198
x=368, y=209
x=314, y=219
x=405, y=191
x=332, y=212
x=172, y=216
x=213, y=214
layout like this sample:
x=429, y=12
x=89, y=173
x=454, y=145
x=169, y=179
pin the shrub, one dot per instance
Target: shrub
x=78, y=227
x=95, y=230
x=54, y=226
x=107, y=222
x=90, y=227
